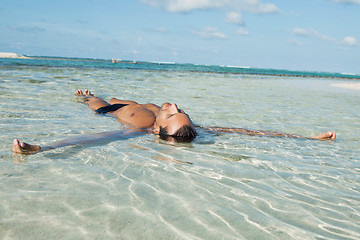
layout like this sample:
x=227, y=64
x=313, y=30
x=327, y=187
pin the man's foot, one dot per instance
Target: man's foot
x=86, y=95
x=325, y=136
x=24, y=148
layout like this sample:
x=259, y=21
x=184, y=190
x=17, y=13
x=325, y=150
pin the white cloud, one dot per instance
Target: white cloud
x=351, y=41
x=242, y=31
x=311, y=33
x=234, y=8
x=347, y=1
x=186, y=6
x=234, y=17
x=211, y=33
x=254, y=6
x=348, y=40
x=301, y=32
x=296, y=42
x=322, y=36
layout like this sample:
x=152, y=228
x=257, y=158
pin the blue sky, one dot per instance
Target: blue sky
x=312, y=35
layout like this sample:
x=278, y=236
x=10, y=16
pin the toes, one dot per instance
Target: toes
x=88, y=93
x=79, y=93
x=25, y=146
x=16, y=148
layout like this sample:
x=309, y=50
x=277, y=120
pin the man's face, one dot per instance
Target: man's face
x=172, y=118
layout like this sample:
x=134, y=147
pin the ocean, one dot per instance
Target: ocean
x=220, y=186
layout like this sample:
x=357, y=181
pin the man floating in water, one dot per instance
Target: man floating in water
x=167, y=121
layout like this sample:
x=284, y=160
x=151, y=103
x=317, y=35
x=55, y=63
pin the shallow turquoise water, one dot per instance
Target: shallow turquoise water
x=225, y=186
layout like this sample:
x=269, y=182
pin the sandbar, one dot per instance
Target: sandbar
x=353, y=86
x=11, y=55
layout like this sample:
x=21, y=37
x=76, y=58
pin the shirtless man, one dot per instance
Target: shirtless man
x=167, y=121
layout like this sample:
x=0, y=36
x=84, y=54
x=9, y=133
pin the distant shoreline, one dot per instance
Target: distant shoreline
x=172, y=66
x=11, y=55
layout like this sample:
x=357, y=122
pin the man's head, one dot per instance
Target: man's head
x=172, y=122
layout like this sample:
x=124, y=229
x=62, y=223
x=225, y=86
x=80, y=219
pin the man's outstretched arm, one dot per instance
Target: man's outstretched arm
x=323, y=136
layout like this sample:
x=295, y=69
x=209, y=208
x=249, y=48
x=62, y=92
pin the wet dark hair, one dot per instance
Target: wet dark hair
x=184, y=134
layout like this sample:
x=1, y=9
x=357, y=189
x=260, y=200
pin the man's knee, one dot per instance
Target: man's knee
x=114, y=100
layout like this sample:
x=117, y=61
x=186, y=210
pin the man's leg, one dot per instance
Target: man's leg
x=93, y=102
x=86, y=96
x=100, y=138
x=119, y=101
